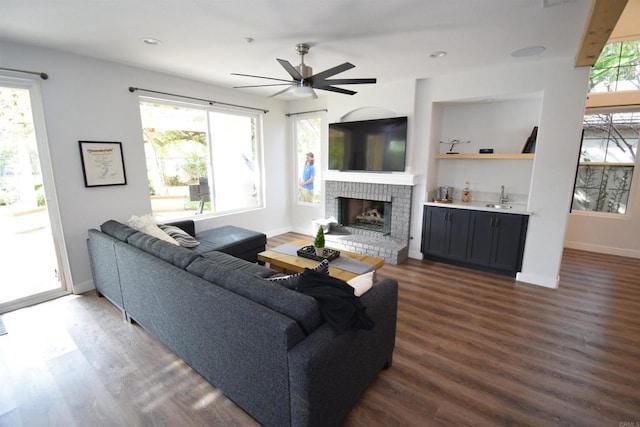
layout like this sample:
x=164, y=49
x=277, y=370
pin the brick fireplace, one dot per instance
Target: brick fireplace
x=346, y=201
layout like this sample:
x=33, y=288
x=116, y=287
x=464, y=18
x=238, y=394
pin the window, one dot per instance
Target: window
x=617, y=68
x=307, y=133
x=607, y=160
x=200, y=159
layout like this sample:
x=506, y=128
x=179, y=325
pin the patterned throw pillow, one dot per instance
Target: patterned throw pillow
x=185, y=239
x=291, y=281
x=147, y=224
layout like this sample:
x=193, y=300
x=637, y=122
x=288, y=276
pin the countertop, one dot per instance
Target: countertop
x=482, y=206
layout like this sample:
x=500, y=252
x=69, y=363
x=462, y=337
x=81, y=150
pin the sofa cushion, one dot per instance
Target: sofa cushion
x=301, y=308
x=183, y=238
x=176, y=255
x=230, y=239
x=117, y=230
x=234, y=263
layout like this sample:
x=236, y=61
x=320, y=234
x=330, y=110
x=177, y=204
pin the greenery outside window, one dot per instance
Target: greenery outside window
x=307, y=135
x=617, y=68
x=200, y=159
x=607, y=162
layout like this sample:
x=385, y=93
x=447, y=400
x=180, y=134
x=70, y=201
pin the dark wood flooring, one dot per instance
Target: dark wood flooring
x=471, y=349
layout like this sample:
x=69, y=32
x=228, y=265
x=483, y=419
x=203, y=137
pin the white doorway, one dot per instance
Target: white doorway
x=34, y=262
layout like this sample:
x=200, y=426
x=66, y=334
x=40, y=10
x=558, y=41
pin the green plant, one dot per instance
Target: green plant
x=194, y=167
x=319, y=240
x=172, y=180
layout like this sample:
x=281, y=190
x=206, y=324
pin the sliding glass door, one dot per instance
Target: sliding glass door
x=30, y=235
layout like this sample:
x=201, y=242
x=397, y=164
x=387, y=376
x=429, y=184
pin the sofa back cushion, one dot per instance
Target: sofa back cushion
x=301, y=308
x=176, y=255
x=117, y=230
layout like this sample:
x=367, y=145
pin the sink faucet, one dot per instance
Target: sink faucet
x=503, y=197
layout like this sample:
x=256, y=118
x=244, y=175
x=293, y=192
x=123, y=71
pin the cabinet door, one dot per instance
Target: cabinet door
x=434, y=231
x=508, y=231
x=480, y=238
x=458, y=234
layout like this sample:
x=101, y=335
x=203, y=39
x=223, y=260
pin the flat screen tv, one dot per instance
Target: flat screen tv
x=368, y=145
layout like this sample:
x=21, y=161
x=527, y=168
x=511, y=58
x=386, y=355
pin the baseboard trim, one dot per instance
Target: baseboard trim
x=279, y=231
x=609, y=250
x=416, y=255
x=534, y=279
x=301, y=230
x=81, y=288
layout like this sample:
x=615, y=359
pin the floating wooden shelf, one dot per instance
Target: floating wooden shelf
x=494, y=156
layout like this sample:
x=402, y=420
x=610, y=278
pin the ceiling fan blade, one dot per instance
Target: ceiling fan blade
x=280, y=92
x=337, y=89
x=260, y=77
x=331, y=72
x=290, y=69
x=275, y=84
x=345, y=82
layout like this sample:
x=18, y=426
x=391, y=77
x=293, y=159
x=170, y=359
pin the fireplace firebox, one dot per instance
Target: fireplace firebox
x=372, y=215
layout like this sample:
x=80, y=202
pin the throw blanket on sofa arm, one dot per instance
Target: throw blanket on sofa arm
x=340, y=308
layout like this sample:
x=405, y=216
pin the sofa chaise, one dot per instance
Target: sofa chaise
x=265, y=346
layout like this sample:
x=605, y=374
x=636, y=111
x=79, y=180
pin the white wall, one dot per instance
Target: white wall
x=606, y=233
x=87, y=99
x=563, y=89
x=504, y=126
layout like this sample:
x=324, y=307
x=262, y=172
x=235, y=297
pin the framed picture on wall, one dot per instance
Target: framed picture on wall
x=102, y=163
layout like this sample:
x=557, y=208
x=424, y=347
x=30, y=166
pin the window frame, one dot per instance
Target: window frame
x=634, y=186
x=258, y=118
x=318, y=157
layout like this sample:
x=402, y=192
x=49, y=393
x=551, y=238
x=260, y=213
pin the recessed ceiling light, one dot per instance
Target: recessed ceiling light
x=151, y=41
x=438, y=54
x=527, y=51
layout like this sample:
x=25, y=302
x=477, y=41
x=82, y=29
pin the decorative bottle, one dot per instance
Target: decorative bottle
x=466, y=193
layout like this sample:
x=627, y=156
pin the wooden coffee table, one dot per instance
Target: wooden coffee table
x=286, y=263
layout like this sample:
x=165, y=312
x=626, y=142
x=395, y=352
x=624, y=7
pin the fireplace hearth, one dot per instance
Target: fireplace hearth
x=375, y=220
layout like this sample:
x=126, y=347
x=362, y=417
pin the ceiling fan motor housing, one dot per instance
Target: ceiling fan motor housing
x=304, y=70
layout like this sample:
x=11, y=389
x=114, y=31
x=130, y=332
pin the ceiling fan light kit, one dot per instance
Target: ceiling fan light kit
x=303, y=81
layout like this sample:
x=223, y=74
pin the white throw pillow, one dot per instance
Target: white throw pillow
x=148, y=225
x=361, y=283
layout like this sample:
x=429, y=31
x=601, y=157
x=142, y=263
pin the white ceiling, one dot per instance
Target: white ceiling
x=387, y=39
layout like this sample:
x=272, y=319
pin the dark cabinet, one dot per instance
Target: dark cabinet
x=445, y=232
x=497, y=240
x=487, y=240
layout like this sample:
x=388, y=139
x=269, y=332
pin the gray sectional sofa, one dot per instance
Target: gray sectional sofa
x=265, y=346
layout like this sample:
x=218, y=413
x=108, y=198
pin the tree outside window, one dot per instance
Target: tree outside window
x=607, y=159
x=617, y=68
x=200, y=159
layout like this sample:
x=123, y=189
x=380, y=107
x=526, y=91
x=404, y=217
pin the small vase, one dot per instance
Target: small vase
x=319, y=251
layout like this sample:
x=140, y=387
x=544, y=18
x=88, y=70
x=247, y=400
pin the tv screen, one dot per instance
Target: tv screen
x=368, y=145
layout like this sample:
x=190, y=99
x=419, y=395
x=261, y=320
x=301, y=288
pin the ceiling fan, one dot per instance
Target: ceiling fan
x=303, y=81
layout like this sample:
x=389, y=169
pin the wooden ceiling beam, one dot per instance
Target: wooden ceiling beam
x=603, y=16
